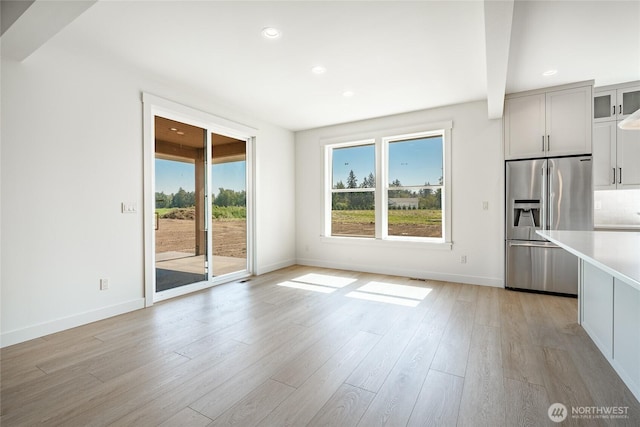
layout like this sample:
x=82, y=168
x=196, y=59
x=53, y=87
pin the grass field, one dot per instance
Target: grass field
x=414, y=216
x=163, y=211
x=217, y=212
x=414, y=222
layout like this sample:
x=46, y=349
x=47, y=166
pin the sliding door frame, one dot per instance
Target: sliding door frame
x=156, y=106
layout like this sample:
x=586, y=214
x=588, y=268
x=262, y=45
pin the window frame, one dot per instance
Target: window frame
x=381, y=139
x=329, y=190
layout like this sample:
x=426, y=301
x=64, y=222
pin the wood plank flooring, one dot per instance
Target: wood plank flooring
x=275, y=351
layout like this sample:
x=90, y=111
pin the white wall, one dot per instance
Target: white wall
x=71, y=153
x=477, y=176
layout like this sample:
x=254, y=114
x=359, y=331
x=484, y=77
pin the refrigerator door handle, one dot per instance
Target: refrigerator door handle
x=546, y=184
x=534, y=245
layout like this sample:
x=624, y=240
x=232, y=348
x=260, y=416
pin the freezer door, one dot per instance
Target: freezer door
x=541, y=266
x=570, y=197
x=525, y=183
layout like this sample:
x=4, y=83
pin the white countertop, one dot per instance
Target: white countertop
x=615, y=252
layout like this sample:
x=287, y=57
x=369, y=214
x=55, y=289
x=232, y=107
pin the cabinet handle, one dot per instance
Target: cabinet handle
x=614, y=110
x=548, y=143
x=620, y=176
x=620, y=109
x=542, y=142
x=614, y=176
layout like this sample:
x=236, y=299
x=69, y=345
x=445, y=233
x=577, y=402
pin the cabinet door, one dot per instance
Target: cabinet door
x=628, y=155
x=604, y=156
x=628, y=102
x=604, y=106
x=626, y=335
x=569, y=121
x=597, y=307
x=524, y=127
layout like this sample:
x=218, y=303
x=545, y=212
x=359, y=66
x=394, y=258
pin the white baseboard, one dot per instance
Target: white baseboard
x=45, y=328
x=273, y=267
x=417, y=274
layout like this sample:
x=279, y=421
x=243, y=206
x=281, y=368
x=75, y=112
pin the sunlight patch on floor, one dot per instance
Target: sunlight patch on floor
x=403, y=291
x=325, y=280
x=307, y=287
x=409, y=296
x=383, y=298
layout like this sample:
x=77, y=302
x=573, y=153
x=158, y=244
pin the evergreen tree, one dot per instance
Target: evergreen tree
x=352, y=181
x=368, y=181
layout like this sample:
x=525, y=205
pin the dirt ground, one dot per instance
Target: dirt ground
x=368, y=229
x=229, y=237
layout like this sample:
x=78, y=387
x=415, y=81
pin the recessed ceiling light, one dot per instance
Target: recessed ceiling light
x=550, y=73
x=318, y=69
x=348, y=93
x=173, y=129
x=271, y=33
x=180, y=133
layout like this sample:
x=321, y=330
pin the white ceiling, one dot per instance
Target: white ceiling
x=395, y=56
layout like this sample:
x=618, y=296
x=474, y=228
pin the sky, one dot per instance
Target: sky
x=171, y=175
x=413, y=162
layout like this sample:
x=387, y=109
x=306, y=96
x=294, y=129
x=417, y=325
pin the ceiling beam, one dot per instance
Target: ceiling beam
x=498, y=17
x=37, y=24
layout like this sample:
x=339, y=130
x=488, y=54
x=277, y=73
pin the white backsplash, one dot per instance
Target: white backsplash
x=616, y=207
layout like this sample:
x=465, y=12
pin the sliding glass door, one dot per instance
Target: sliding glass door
x=201, y=210
x=229, y=204
x=180, y=204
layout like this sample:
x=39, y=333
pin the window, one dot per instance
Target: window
x=353, y=185
x=414, y=186
x=391, y=187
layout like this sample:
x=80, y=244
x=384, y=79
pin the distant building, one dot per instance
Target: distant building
x=403, y=203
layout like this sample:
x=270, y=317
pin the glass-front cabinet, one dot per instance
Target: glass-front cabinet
x=611, y=103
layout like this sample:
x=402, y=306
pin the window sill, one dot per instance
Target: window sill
x=415, y=243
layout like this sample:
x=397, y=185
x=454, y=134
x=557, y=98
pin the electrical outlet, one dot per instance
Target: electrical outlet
x=485, y=206
x=104, y=284
x=463, y=259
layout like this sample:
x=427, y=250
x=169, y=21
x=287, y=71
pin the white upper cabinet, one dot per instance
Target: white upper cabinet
x=569, y=121
x=604, y=106
x=604, y=156
x=549, y=123
x=616, y=152
x=524, y=127
x=615, y=157
x=615, y=104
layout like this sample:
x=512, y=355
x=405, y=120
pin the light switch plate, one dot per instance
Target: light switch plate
x=129, y=207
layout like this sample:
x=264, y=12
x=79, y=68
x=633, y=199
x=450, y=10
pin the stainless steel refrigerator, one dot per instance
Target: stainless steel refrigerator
x=545, y=194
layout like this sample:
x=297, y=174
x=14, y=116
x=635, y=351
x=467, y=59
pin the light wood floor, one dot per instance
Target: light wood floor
x=268, y=353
